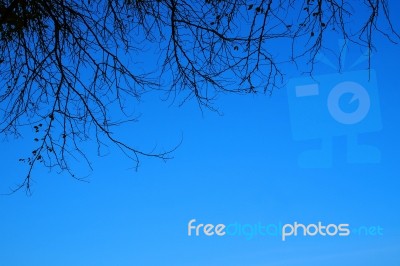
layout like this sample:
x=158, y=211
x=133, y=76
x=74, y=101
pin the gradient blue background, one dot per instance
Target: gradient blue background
x=238, y=167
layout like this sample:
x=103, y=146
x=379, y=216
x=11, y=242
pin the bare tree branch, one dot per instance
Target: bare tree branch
x=64, y=63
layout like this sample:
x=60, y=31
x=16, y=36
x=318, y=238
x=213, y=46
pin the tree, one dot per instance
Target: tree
x=64, y=63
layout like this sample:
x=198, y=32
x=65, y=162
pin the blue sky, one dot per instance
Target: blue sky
x=239, y=167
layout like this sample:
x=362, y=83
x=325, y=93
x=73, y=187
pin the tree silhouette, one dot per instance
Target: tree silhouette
x=64, y=64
